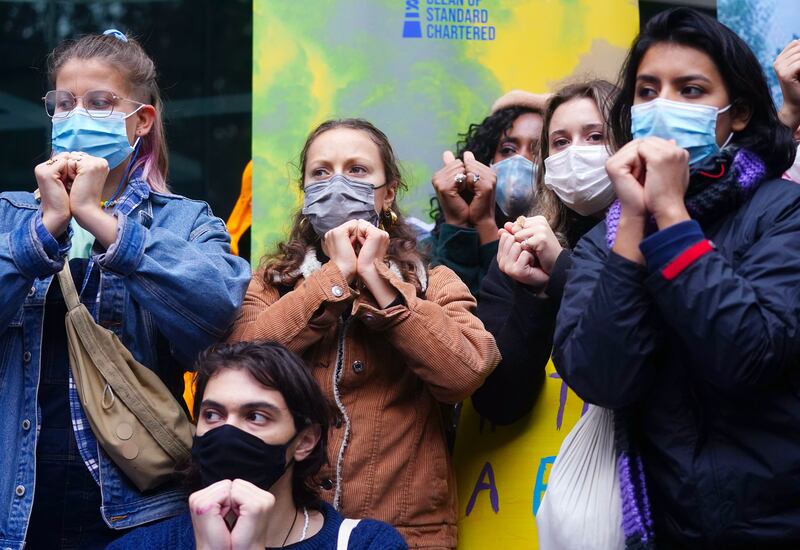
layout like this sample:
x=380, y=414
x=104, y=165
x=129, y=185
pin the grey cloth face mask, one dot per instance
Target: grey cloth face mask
x=330, y=203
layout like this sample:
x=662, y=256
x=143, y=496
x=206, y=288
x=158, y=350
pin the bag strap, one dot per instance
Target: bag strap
x=345, y=530
x=68, y=287
x=129, y=394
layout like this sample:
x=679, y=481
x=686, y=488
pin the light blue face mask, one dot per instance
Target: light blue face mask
x=514, y=193
x=692, y=126
x=104, y=136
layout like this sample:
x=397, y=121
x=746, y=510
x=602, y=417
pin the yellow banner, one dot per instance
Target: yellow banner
x=503, y=470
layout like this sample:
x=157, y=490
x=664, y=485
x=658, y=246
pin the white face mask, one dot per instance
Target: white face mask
x=578, y=177
x=793, y=173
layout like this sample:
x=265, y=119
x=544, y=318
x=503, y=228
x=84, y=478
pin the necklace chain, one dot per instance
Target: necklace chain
x=305, y=526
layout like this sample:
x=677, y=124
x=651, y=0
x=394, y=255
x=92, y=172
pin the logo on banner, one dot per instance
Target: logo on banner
x=447, y=20
x=412, y=28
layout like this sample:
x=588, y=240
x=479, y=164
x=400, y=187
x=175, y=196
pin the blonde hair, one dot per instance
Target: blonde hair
x=548, y=204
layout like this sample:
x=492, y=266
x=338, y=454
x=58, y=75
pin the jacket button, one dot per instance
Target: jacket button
x=358, y=367
x=337, y=291
x=26, y=356
x=26, y=424
x=32, y=291
x=337, y=422
x=20, y=490
x=327, y=484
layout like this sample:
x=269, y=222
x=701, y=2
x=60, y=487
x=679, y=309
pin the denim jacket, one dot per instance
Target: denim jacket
x=169, y=287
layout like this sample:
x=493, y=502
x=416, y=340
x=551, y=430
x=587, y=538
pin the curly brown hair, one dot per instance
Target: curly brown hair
x=548, y=204
x=283, y=264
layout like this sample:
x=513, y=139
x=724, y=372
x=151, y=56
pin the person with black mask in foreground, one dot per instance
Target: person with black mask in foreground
x=262, y=426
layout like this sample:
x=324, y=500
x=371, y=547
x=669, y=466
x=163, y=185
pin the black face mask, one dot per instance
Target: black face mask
x=230, y=453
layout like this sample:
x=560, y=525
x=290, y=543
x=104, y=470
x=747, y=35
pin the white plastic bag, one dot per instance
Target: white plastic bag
x=582, y=506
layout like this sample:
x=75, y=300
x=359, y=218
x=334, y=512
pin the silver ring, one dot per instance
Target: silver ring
x=460, y=178
x=475, y=177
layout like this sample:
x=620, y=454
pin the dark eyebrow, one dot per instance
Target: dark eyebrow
x=647, y=78
x=260, y=405
x=686, y=78
x=690, y=77
x=210, y=403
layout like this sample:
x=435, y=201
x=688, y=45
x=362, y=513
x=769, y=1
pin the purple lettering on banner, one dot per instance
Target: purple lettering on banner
x=486, y=474
x=540, y=486
x=562, y=402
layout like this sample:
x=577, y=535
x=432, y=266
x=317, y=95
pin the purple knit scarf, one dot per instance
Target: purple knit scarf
x=710, y=195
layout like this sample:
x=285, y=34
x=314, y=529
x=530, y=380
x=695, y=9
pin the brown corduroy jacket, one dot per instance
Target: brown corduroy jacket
x=385, y=371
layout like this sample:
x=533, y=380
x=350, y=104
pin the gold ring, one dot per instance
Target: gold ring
x=50, y=162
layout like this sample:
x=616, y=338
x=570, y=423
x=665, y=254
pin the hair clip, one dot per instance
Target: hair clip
x=119, y=35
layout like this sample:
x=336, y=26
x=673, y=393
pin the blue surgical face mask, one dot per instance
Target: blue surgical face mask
x=514, y=193
x=691, y=125
x=104, y=136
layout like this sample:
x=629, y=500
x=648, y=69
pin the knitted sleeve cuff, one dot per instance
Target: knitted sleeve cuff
x=662, y=247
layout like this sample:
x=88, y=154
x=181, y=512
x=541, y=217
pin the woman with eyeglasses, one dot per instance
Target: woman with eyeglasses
x=152, y=267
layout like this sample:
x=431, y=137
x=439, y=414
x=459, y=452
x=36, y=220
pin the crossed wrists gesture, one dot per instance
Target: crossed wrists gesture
x=239, y=503
x=356, y=247
x=528, y=250
x=465, y=190
x=71, y=185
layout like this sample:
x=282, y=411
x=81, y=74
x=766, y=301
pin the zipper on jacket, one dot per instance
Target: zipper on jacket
x=341, y=329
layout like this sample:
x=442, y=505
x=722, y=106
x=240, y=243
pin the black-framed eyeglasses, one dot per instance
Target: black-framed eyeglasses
x=98, y=103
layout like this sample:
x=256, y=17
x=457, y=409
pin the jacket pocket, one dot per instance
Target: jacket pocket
x=16, y=320
x=10, y=344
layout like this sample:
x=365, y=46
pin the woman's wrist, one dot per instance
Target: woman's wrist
x=383, y=292
x=790, y=116
x=487, y=230
x=630, y=233
x=671, y=215
x=56, y=223
x=97, y=222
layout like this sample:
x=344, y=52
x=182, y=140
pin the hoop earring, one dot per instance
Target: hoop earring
x=388, y=219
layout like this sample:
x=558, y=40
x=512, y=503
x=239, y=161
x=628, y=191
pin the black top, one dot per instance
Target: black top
x=522, y=320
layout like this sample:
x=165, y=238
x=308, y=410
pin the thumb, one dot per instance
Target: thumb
x=448, y=157
x=468, y=156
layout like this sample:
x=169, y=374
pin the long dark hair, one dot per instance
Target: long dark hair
x=275, y=367
x=283, y=264
x=481, y=140
x=744, y=79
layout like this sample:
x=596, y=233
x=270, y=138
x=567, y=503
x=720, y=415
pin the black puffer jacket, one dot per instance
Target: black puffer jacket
x=707, y=363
